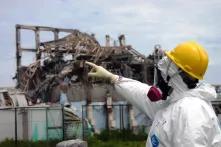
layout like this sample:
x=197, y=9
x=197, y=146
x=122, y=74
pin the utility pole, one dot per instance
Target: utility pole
x=156, y=56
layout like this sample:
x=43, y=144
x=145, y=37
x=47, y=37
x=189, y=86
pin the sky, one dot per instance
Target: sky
x=144, y=23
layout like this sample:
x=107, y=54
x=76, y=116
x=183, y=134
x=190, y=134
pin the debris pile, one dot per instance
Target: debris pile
x=59, y=64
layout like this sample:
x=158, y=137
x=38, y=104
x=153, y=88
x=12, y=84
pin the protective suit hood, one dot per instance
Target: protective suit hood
x=203, y=91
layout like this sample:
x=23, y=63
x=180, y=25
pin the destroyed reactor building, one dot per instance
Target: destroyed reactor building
x=59, y=64
x=59, y=68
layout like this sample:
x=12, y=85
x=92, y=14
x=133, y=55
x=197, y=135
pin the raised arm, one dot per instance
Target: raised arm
x=133, y=91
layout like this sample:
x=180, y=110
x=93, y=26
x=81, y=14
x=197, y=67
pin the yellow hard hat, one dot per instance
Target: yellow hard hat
x=191, y=58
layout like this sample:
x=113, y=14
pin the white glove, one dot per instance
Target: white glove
x=102, y=73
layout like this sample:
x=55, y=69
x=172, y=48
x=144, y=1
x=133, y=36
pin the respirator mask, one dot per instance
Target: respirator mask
x=161, y=89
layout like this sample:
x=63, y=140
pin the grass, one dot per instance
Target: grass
x=23, y=143
x=94, y=142
x=115, y=138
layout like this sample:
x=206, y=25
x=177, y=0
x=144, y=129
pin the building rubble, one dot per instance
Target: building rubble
x=61, y=63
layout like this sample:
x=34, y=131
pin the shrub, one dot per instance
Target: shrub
x=125, y=135
x=117, y=138
x=25, y=143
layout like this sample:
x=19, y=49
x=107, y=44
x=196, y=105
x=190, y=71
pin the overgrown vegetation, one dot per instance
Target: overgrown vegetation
x=23, y=143
x=115, y=138
x=114, y=143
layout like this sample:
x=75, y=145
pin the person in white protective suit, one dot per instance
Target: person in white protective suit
x=178, y=105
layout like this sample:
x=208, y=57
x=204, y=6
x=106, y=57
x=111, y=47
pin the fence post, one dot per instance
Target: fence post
x=120, y=117
x=82, y=117
x=63, y=122
x=16, y=137
x=128, y=116
x=122, y=107
x=46, y=110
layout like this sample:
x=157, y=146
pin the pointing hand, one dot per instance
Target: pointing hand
x=100, y=72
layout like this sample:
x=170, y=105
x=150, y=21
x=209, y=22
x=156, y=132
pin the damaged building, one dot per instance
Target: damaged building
x=61, y=63
x=59, y=67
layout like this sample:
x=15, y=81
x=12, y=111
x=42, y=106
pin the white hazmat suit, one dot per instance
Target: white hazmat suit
x=185, y=119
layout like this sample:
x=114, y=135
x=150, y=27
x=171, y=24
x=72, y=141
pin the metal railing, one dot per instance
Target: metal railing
x=100, y=114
